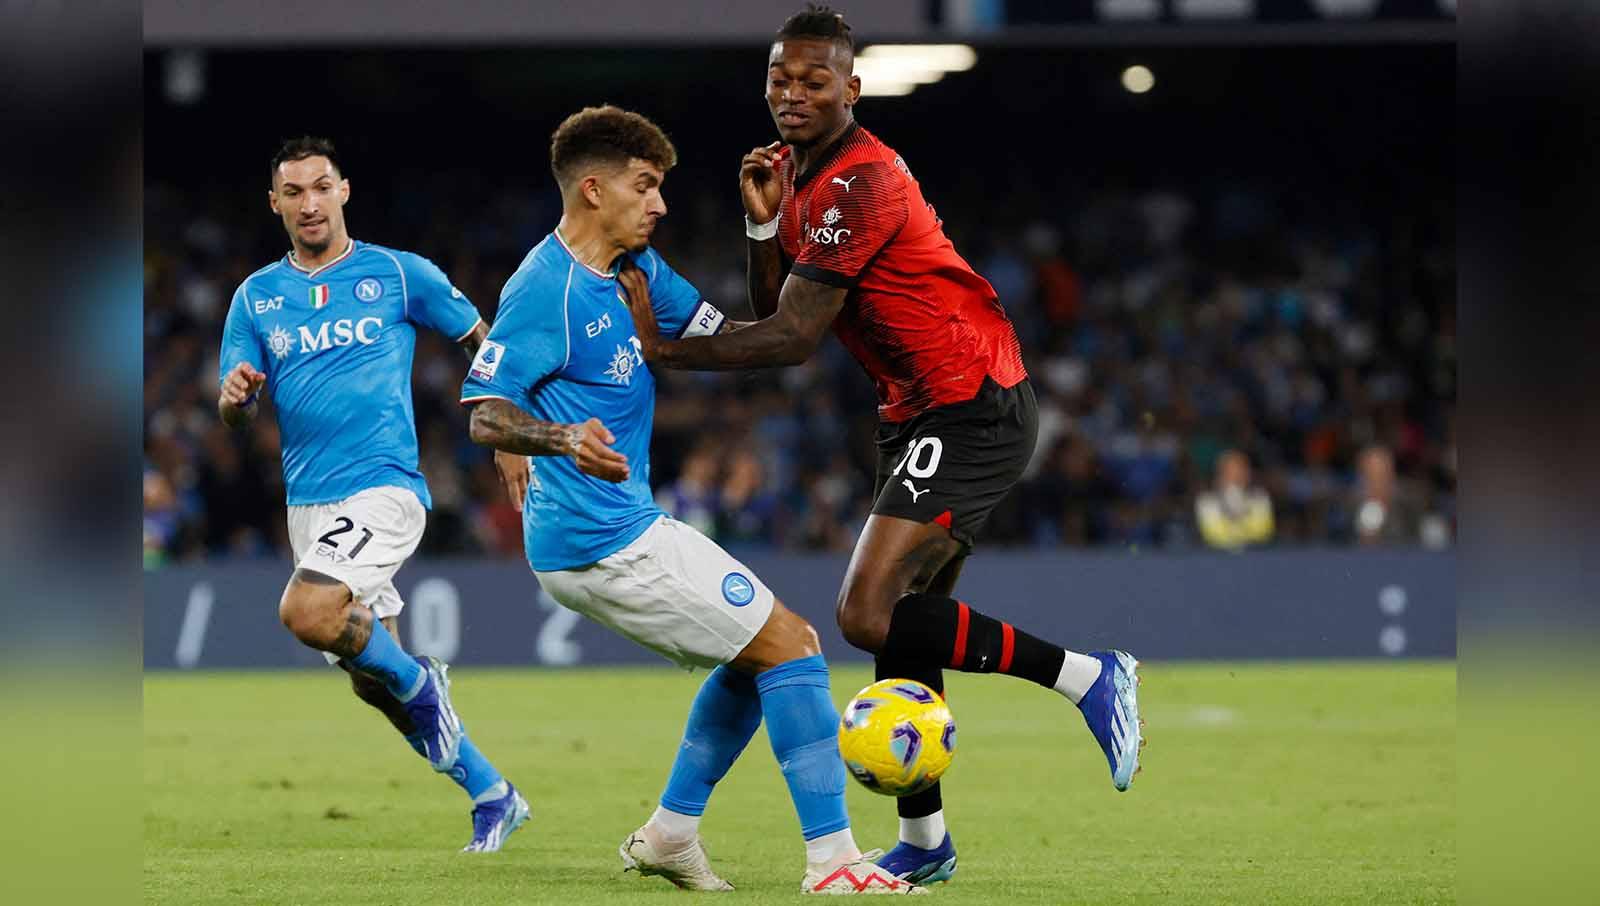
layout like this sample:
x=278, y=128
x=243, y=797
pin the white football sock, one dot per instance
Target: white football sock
x=673, y=827
x=1078, y=673
x=832, y=849
x=924, y=833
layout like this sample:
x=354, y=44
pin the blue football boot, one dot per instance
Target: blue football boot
x=493, y=821
x=918, y=865
x=1111, y=709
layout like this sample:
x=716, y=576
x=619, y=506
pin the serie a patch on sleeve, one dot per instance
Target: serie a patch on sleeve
x=488, y=360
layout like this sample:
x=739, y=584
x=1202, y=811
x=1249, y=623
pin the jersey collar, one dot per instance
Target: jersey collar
x=827, y=157
x=603, y=275
x=349, y=249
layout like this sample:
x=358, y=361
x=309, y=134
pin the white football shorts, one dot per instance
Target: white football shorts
x=362, y=541
x=674, y=591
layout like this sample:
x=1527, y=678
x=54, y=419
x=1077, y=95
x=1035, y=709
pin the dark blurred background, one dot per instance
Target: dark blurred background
x=1235, y=291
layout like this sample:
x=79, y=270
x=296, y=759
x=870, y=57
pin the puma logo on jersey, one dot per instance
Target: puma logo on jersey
x=915, y=494
x=846, y=182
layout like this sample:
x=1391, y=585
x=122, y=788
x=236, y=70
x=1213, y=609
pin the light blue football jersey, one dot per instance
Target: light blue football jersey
x=563, y=349
x=336, y=344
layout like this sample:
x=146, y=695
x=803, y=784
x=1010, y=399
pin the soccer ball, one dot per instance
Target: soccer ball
x=897, y=737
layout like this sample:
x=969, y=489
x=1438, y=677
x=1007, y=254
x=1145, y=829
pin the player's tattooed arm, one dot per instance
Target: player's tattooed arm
x=236, y=403
x=499, y=424
x=789, y=337
x=764, y=272
x=474, y=339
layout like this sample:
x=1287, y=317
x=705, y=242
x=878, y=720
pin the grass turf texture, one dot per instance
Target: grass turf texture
x=1263, y=783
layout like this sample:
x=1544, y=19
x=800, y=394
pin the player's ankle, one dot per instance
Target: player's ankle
x=830, y=851
x=671, y=831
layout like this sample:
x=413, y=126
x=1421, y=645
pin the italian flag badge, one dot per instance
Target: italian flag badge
x=319, y=295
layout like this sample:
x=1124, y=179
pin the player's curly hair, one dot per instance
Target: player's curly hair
x=303, y=147
x=821, y=22
x=607, y=135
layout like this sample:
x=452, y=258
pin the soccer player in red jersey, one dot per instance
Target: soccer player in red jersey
x=840, y=234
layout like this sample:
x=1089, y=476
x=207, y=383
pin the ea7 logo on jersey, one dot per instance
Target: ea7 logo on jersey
x=598, y=326
x=265, y=305
x=488, y=360
x=345, y=333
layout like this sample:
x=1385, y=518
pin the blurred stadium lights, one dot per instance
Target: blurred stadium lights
x=1138, y=79
x=184, y=77
x=895, y=70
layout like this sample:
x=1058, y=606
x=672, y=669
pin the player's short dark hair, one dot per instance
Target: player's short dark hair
x=607, y=135
x=819, y=22
x=303, y=147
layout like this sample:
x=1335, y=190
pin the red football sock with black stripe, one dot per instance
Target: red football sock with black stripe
x=934, y=630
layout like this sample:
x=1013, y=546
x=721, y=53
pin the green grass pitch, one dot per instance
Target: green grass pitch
x=1262, y=783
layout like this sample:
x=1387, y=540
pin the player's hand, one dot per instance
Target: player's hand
x=513, y=469
x=637, y=286
x=592, y=452
x=241, y=383
x=759, y=184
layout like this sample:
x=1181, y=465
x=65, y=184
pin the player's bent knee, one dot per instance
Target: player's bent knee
x=863, y=628
x=313, y=613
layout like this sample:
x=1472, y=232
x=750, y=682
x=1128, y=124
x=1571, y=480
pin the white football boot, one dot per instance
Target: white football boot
x=859, y=876
x=688, y=867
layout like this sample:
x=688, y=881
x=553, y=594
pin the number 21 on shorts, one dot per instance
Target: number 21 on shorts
x=328, y=546
x=922, y=457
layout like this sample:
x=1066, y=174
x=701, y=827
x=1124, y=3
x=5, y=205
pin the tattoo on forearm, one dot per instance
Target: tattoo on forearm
x=357, y=630
x=764, y=276
x=499, y=424
x=805, y=310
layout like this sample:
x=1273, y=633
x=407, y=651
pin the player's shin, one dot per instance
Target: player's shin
x=802, y=726
x=941, y=630
x=725, y=714
x=382, y=657
x=921, y=814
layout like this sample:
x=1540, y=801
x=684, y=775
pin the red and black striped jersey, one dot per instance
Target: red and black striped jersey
x=918, y=318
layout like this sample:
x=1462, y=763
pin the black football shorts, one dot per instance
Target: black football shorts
x=954, y=464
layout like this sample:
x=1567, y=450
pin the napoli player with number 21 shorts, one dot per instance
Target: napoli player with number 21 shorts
x=328, y=332
x=563, y=348
x=840, y=234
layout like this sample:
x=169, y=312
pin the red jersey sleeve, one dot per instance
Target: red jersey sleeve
x=848, y=221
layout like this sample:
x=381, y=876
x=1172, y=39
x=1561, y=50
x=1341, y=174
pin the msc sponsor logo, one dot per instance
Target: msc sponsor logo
x=343, y=332
x=827, y=234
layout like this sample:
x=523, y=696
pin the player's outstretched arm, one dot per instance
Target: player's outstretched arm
x=789, y=337
x=236, y=404
x=500, y=424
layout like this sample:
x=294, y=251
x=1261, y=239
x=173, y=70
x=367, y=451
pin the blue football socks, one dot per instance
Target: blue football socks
x=385, y=659
x=724, y=716
x=803, y=728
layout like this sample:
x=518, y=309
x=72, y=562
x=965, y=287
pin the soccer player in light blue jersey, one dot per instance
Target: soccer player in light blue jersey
x=563, y=350
x=328, y=331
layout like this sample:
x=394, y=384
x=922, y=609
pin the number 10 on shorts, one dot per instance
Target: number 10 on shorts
x=922, y=457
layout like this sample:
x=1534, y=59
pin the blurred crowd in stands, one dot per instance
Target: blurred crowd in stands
x=1231, y=371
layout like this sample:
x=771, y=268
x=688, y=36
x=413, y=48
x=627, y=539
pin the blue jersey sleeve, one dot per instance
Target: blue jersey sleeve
x=680, y=312
x=432, y=302
x=527, y=344
x=240, y=342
